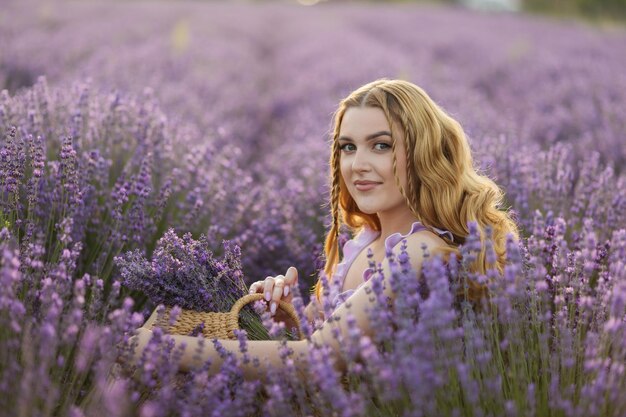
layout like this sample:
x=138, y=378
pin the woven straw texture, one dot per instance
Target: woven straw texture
x=217, y=325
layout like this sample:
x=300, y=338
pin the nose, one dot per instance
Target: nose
x=360, y=161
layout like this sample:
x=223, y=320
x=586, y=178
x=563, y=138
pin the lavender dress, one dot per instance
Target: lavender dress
x=351, y=250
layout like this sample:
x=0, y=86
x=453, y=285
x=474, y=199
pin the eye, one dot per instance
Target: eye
x=343, y=147
x=385, y=146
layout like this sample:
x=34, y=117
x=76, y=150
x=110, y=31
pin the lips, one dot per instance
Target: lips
x=365, y=185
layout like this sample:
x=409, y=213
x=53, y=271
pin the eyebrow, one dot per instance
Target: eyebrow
x=368, y=137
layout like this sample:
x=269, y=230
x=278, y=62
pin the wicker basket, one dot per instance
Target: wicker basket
x=216, y=325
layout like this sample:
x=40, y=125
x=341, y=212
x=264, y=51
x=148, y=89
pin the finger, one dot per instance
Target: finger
x=291, y=276
x=291, y=279
x=277, y=289
x=277, y=294
x=268, y=287
x=256, y=287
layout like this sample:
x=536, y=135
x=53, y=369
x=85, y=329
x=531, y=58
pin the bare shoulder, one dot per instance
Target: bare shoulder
x=418, y=244
x=360, y=301
x=421, y=241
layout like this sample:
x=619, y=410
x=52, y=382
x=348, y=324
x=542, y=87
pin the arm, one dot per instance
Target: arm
x=268, y=350
x=361, y=300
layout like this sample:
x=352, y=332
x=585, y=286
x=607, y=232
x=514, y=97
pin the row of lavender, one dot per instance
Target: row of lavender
x=514, y=83
x=204, y=123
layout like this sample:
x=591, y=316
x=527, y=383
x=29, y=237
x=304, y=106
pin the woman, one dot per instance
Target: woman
x=400, y=169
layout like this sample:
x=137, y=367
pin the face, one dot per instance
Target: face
x=366, y=155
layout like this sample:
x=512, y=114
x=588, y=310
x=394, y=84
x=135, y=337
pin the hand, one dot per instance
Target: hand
x=277, y=288
x=141, y=338
x=151, y=320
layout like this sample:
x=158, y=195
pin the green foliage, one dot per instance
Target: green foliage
x=590, y=9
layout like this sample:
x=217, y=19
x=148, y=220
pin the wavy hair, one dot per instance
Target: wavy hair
x=443, y=188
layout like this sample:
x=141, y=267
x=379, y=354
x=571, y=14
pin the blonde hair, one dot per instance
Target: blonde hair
x=443, y=188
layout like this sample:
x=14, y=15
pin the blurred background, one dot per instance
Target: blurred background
x=599, y=10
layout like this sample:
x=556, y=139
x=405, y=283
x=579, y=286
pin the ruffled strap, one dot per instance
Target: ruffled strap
x=395, y=238
x=351, y=249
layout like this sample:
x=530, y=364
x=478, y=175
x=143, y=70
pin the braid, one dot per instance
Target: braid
x=335, y=189
x=412, y=179
x=332, y=239
x=395, y=174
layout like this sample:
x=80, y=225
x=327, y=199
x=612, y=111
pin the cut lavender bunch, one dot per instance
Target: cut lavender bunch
x=184, y=272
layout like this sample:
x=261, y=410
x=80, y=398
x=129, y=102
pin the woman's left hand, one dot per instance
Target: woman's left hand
x=142, y=338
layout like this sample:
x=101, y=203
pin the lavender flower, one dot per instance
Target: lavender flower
x=97, y=161
x=183, y=272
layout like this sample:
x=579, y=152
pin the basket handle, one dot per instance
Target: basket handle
x=249, y=298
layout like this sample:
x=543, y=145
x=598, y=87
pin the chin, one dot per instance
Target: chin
x=368, y=210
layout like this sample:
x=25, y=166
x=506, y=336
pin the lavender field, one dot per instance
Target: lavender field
x=121, y=121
